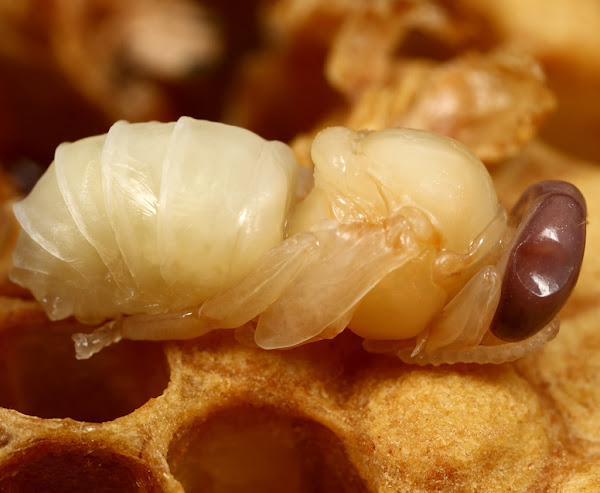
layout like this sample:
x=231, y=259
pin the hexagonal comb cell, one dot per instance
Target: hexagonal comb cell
x=51, y=467
x=40, y=376
x=255, y=450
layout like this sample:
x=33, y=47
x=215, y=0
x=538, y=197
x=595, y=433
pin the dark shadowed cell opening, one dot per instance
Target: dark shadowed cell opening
x=52, y=468
x=40, y=376
x=260, y=450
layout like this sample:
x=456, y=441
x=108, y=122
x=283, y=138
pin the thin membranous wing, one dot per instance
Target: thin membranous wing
x=467, y=317
x=245, y=300
x=352, y=259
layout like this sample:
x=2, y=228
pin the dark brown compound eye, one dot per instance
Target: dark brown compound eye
x=543, y=260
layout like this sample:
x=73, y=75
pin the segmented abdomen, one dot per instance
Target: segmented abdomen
x=151, y=217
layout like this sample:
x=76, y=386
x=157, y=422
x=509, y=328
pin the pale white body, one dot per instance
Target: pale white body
x=173, y=230
x=151, y=217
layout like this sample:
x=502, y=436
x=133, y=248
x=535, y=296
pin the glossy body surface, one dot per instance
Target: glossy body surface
x=174, y=230
x=544, y=260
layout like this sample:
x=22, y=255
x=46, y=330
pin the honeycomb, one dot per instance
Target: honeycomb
x=215, y=415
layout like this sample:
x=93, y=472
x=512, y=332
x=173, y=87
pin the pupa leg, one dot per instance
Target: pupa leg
x=297, y=297
x=232, y=308
x=353, y=258
x=175, y=325
x=465, y=319
x=456, y=335
x=245, y=300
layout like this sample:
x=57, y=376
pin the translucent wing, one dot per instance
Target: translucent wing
x=465, y=319
x=260, y=288
x=352, y=259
